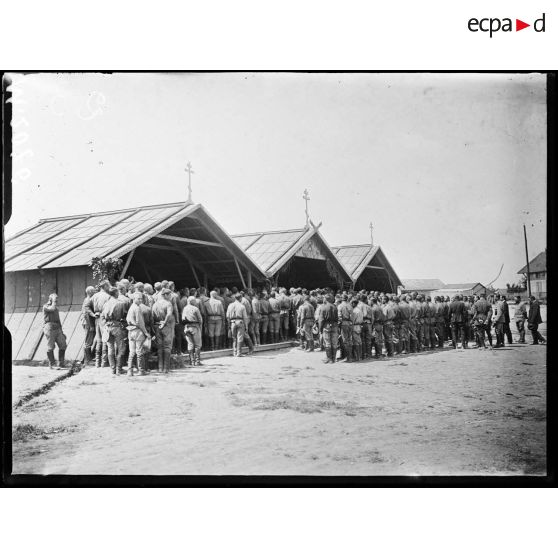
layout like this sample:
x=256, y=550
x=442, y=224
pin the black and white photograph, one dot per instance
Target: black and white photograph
x=317, y=274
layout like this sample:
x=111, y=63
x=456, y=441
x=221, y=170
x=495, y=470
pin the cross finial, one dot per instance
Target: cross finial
x=371, y=234
x=306, y=197
x=190, y=172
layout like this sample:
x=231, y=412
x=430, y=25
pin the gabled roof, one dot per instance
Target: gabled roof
x=536, y=265
x=75, y=240
x=422, y=284
x=461, y=286
x=357, y=257
x=271, y=250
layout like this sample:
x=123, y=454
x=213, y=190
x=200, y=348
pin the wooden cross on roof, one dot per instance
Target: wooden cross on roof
x=306, y=198
x=371, y=234
x=190, y=172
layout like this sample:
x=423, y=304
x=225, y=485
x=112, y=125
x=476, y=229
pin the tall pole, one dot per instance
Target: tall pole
x=190, y=172
x=306, y=197
x=527, y=258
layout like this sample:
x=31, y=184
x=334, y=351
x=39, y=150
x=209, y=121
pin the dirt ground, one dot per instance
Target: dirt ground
x=453, y=412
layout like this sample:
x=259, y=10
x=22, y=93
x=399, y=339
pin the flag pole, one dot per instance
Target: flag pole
x=527, y=258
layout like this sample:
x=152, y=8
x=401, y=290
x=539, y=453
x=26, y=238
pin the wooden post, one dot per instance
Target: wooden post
x=127, y=264
x=239, y=273
x=205, y=281
x=194, y=272
x=249, y=279
x=527, y=258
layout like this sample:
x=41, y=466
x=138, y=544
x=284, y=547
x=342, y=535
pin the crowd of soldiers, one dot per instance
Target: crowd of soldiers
x=126, y=322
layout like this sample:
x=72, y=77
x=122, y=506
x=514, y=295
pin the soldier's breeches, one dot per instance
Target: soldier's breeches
x=89, y=332
x=238, y=330
x=388, y=332
x=54, y=336
x=193, y=336
x=331, y=336
x=135, y=343
x=214, y=326
x=347, y=334
x=264, y=327
x=520, y=324
x=274, y=323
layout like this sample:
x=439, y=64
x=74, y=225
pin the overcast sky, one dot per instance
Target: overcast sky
x=447, y=167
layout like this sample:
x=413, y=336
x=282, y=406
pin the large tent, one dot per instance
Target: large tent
x=296, y=257
x=368, y=266
x=178, y=241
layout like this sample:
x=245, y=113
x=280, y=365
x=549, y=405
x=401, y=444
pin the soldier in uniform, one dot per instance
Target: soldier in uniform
x=237, y=320
x=193, y=327
x=257, y=317
x=115, y=333
x=148, y=289
x=163, y=322
x=389, y=316
x=264, y=322
x=358, y=319
x=98, y=301
x=457, y=320
x=404, y=325
x=305, y=323
x=88, y=324
x=378, y=327
x=507, y=330
x=274, y=317
x=284, y=314
x=52, y=330
x=520, y=317
x=481, y=320
x=367, y=321
x=498, y=319
x=247, y=338
x=533, y=321
x=431, y=307
x=327, y=318
x=345, y=314
x=397, y=344
x=138, y=332
x=214, y=313
x=440, y=321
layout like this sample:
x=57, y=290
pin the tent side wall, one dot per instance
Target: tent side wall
x=25, y=294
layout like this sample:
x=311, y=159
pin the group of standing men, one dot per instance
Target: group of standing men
x=126, y=321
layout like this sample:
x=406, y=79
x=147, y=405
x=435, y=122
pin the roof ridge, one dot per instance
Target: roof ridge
x=268, y=232
x=111, y=212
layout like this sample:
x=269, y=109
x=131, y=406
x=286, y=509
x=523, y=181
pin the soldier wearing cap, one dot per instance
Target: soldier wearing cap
x=88, y=324
x=237, y=320
x=520, y=317
x=404, y=325
x=367, y=324
x=440, y=321
x=163, y=322
x=215, y=316
x=274, y=317
x=305, y=323
x=98, y=301
x=193, y=326
x=457, y=319
x=284, y=314
x=481, y=320
x=389, y=316
x=345, y=314
x=358, y=319
x=138, y=333
x=327, y=318
x=264, y=321
x=115, y=333
x=52, y=330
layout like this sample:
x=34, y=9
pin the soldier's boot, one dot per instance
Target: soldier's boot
x=131, y=363
x=191, y=358
x=104, y=355
x=197, y=355
x=51, y=361
x=329, y=357
x=167, y=361
x=87, y=356
x=250, y=345
x=389, y=349
x=349, y=353
x=143, y=365
x=160, y=362
x=119, y=360
x=98, y=356
x=358, y=353
x=112, y=363
x=310, y=345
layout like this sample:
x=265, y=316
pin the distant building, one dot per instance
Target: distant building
x=421, y=286
x=537, y=275
x=465, y=289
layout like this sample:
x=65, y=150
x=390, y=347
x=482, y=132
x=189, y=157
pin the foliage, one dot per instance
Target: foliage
x=106, y=268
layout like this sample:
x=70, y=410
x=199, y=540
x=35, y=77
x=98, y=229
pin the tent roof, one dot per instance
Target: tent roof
x=357, y=257
x=271, y=250
x=75, y=240
x=536, y=265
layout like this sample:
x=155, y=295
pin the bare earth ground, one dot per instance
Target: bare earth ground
x=450, y=412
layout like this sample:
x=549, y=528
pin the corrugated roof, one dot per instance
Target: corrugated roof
x=422, y=284
x=460, y=286
x=351, y=256
x=536, y=265
x=267, y=248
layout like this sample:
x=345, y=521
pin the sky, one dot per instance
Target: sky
x=447, y=167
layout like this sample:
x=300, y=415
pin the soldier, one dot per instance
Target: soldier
x=148, y=289
x=177, y=347
x=425, y=325
x=498, y=319
x=457, y=320
x=264, y=322
x=256, y=317
x=389, y=316
x=98, y=301
x=297, y=299
x=481, y=320
x=433, y=341
x=419, y=317
x=115, y=333
x=328, y=318
x=215, y=319
x=158, y=288
x=237, y=320
x=138, y=333
x=507, y=330
x=345, y=315
x=193, y=326
x=88, y=324
x=247, y=338
x=52, y=329
x=413, y=344
x=378, y=327
x=440, y=321
x=284, y=314
x=305, y=323
x=534, y=320
x=358, y=319
x=520, y=316
x=367, y=320
x=163, y=322
x=471, y=317
x=274, y=317
x=404, y=325
x=394, y=303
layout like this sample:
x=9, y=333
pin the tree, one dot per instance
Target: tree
x=106, y=269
